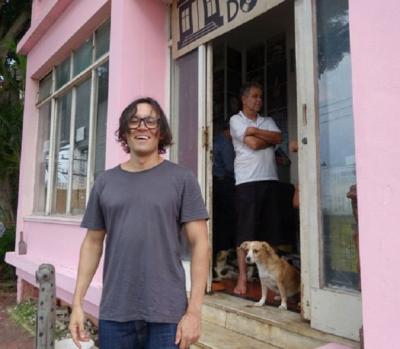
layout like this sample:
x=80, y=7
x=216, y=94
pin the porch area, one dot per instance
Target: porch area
x=231, y=323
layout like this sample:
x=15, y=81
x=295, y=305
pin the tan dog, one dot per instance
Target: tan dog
x=275, y=273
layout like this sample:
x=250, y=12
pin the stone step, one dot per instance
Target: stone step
x=217, y=337
x=281, y=328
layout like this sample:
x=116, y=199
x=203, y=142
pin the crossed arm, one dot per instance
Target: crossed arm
x=257, y=139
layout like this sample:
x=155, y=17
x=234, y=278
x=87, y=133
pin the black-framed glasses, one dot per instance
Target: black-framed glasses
x=150, y=122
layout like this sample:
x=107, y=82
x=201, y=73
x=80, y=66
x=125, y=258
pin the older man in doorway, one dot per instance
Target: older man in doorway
x=254, y=139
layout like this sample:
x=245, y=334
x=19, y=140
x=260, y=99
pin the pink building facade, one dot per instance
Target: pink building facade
x=88, y=59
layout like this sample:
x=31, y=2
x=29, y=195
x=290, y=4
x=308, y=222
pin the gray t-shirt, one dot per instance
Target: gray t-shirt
x=142, y=213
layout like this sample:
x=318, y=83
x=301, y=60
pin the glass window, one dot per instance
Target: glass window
x=68, y=163
x=101, y=124
x=102, y=39
x=45, y=87
x=63, y=73
x=81, y=147
x=83, y=57
x=62, y=154
x=42, y=169
x=337, y=151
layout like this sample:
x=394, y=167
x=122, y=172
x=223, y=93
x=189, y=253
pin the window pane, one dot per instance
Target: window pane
x=44, y=87
x=102, y=39
x=63, y=73
x=102, y=101
x=81, y=146
x=61, y=168
x=42, y=158
x=83, y=57
x=337, y=152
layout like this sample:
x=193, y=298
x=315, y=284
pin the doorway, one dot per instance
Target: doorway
x=260, y=51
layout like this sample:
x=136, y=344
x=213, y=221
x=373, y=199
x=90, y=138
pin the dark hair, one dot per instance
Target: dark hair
x=245, y=89
x=130, y=110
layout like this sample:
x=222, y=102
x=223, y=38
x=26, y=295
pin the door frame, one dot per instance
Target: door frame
x=319, y=302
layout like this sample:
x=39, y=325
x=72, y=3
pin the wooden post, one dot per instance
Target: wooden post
x=46, y=314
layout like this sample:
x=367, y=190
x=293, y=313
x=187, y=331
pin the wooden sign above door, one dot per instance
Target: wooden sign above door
x=195, y=22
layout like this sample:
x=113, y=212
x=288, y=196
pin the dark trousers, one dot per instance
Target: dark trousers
x=136, y=335
x=223, y=214
x=258, y=214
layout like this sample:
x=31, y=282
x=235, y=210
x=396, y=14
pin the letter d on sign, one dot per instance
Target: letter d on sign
x=233, y=8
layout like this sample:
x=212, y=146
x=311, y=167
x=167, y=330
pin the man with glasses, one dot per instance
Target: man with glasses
x=140, y=208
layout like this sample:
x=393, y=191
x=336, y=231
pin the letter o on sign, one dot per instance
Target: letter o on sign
x=247, y=5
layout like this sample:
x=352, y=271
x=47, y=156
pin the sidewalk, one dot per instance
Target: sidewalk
x=12, y=336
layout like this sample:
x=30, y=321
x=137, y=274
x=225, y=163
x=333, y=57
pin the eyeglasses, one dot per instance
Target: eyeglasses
x=150, y=122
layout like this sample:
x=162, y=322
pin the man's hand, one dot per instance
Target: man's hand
x=188, y=331
x=250, y=131
x=76, y=326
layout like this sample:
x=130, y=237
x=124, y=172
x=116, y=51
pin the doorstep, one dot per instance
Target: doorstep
x=267, y=324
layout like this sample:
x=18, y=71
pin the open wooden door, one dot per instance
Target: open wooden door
x=331, y=298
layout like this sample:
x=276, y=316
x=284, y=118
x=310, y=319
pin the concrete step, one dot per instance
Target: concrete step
x=280, y=328
x=217, y=337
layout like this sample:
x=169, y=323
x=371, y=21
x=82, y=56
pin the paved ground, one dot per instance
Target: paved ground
x=12, y=336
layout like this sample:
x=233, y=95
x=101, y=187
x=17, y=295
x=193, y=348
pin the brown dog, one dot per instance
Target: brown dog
x=275, y=273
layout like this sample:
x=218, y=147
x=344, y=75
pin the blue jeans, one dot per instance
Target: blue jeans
x=136, y=335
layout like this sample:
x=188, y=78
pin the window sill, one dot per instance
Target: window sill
x=72, y=220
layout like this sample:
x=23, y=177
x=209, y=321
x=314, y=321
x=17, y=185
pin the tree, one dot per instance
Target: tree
x=14, y=21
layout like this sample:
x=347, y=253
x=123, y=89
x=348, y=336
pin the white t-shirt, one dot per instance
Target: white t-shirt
x=252, y=165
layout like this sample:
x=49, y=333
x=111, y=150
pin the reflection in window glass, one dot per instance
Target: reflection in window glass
x=42, y=167
x=337, y=153
x=63, y=73
x=81, y=147
x=45, y=87
x=102, y=39
x=101, y=123
x=62, y=150
x=83, y=57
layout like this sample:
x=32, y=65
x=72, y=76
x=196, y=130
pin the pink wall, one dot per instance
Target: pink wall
x=374, y=35
x=138, y=61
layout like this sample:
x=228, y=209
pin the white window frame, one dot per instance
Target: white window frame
x=89, y=72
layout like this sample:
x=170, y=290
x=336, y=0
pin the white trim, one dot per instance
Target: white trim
x=51, y=162
x=71, y=150
x=208, y=154
x=92, y=132
x=201, y=112
x=70, y=220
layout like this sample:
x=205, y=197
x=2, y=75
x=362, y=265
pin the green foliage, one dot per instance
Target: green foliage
x=24, y=314
x=7, y=243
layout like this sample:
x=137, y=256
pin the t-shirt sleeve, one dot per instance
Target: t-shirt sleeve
x=93, y=217
x=237, y=128
x=192, y=205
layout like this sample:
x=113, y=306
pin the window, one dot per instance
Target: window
x=185, y=22
x=72, y=105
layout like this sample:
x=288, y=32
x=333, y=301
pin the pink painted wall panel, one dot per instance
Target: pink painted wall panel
x=374, y=34
x=138, y=61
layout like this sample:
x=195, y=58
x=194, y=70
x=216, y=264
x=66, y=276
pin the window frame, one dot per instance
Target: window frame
x=90, y=72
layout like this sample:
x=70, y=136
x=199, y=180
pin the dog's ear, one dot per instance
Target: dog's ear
x=267, y=247
x=245, y=245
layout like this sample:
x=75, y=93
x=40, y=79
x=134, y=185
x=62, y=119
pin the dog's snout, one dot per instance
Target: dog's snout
x=248, y=259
